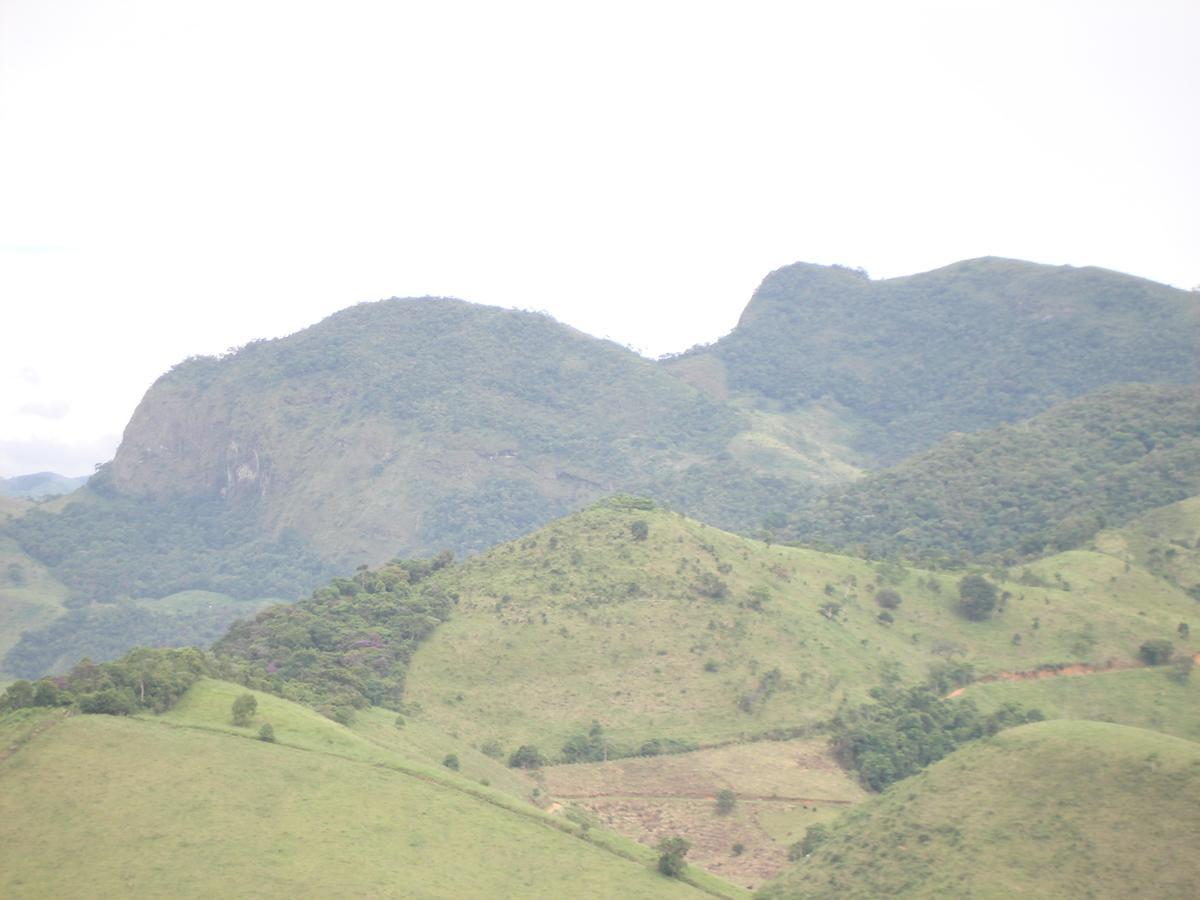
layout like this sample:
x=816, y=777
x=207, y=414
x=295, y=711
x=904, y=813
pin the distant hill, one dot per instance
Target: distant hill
x=39, y=485
x=909, y=360
x=1050, y=482
x=1056, y=809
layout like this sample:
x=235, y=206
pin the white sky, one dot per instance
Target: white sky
x=181, y=177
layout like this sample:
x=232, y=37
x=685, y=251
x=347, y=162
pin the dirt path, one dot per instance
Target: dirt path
x=1113, y=665
x=649, y=795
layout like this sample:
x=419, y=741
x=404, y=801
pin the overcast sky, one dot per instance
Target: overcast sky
x=181, y=177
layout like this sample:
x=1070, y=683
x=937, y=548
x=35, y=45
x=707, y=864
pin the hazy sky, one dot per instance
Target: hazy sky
x=181, y=177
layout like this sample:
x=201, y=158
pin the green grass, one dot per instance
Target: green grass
x=581, y=622
x=1144, y=698
x=1056, y=809
x=187, y=805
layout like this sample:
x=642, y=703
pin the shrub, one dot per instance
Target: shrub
x=1156, y=652
x=639, y=529
x=243, y=710
x=491, y=749
x=814, y=837
x=526, y=757
x=451, y=762
x=672, y=850
x=266, y=733
x=976, y=597
x=726, y=801
x=889, y=599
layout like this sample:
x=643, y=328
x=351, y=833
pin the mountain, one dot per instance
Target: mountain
x=906, y=361
x=406, y=427
x=1056, y=809
x=39, y=485
x=1052, y=481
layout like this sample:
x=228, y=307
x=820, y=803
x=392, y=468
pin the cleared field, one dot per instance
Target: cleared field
x=781, y=787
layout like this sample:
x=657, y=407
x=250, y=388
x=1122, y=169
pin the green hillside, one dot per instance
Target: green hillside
x=1052, y=481
x=694, y=635
x=907, y=361
x=186, y=805
x=39, y=485
x=1056, y=809
x=1158, y=699
x=1165, y=541
x=30, y=598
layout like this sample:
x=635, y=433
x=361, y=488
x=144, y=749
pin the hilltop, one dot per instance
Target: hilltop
x=1055, y=809
x=663, y=629
x=905, y=361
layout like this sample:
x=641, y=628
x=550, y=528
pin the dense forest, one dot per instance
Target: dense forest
x=1020, y=490
x=972, y=345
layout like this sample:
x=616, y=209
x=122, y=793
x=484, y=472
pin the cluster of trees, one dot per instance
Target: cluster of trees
x=349, y=644
x=906, y=729
x=144, y=679
x=105, y=631
x=115, y=546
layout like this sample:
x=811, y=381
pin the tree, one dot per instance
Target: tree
x=672, y=850
x=726, y=801
x=451, y=761
x=976, y=597
x=889, y=599
x=639, y=529
x=1156, y=652
x=266, y=733
x=526, y=757
x=243, y=710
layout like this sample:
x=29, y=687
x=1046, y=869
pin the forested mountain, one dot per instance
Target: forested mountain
x=975, y=344
x=1048, y=483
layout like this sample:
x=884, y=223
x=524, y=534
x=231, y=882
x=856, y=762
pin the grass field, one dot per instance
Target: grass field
x=679, y=635
x=1144, y=698
x=187, y=805
x=1056, y=809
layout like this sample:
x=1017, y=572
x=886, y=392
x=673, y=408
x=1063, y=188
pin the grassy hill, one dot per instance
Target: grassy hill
x=906, y=361
x=187, y=805
x=1165, y=541
x=699, y=636
x=1152, y=698
x=1052, y=481
x=1055, y=809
